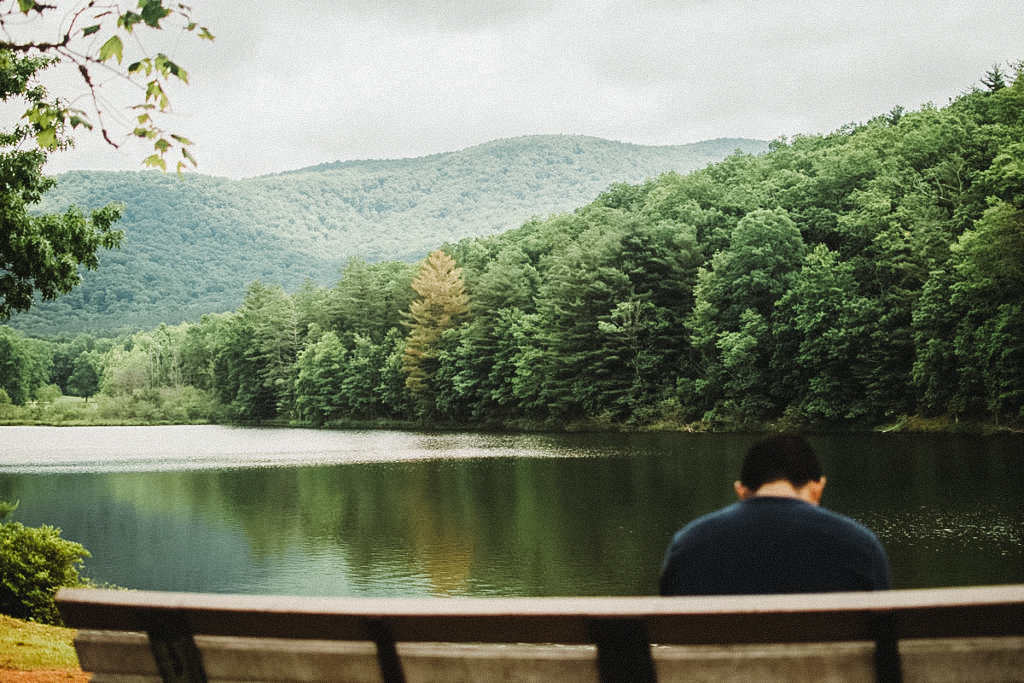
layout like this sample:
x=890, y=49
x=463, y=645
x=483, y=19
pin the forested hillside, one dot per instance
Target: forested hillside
x=192, y=244
x=871, y=276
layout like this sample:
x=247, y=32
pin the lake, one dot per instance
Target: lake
x=375, y=513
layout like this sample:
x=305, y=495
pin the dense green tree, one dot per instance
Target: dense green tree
x=65, y=352
x=989, y=291
x=579, y=376
x=661, y=260
x=322, y=366
x=254, y=367
x=335, y=382
x=822, y=327
x=313, y=313
x=732, y=321
x=24, y=365
x=199, y=348
x=85, y=377
x=370, y=299
x=149, y=360
x=467, y=372
x=39, y=254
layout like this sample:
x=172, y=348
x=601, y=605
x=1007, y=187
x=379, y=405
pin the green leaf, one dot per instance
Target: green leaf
x=153, y=11
x=112, y=48
x=89, y=30
x=47, y=138
x=161, y=145
x=188, y=155
x=176, y=70
x=77, y=121
x=155, y=161
x=183, y=140
x=128, y=20
x=26, y=5
x=155, y=92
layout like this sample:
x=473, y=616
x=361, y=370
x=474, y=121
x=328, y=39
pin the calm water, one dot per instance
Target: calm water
x=307, y=512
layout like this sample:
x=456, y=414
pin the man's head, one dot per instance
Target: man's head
x=781, y=465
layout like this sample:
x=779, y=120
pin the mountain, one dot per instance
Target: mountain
x=192, y=244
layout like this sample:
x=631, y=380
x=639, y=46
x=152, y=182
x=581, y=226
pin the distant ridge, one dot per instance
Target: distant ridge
x=193, y=244
x=714, y=150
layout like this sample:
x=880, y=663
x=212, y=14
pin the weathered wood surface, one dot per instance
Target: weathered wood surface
x=972, y=635
x=125, y=658
x=814, y=617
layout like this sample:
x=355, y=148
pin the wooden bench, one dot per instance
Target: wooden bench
x=972, y=635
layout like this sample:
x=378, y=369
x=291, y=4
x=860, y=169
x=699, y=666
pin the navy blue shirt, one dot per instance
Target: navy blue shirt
x=769, y=544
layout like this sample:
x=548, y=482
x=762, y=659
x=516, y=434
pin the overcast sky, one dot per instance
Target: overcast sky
x=293, y=83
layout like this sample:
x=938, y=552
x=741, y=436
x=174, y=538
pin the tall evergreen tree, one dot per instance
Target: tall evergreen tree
x=442, y=304
x=256, y=365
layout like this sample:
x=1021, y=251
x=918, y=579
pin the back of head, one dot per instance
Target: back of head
x=782, y=456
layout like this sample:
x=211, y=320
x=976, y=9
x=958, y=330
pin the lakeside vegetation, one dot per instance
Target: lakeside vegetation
x=35, y=562
x=867, y=277
x=28, y=646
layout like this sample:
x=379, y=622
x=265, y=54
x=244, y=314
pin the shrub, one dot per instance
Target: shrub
x=48, y=393
x=7, y=409
x=34, y=563
x=179, y=405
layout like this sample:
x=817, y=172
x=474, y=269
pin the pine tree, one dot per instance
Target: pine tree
x=442, y=304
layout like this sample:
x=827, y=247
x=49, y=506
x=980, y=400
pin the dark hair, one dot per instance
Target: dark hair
x=783, y=456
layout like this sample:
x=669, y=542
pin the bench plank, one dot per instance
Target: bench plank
x=816, y=617
x=113, y=655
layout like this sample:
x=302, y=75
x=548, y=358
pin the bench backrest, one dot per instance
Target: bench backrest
x=622, y=628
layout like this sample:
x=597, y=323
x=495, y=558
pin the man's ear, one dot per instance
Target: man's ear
x=742, y=492
x=812, y=491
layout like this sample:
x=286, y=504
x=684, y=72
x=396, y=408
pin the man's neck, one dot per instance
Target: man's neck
x=783, y=488
x=778, y=489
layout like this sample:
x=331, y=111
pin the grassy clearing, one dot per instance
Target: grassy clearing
x=27, y=646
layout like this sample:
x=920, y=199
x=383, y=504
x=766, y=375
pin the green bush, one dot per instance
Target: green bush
x=34, y=563
x=48, y=393
x=177, y=405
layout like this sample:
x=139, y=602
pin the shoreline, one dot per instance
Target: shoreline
x=903, y=425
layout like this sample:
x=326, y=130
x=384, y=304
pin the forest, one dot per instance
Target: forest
x=193, y=243
x=872, y=276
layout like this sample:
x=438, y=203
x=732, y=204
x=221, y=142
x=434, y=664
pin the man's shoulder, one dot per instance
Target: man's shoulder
x=832, y=518
x=776, y=512
x=713, y=520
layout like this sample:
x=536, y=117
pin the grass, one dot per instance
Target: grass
x=27, y=646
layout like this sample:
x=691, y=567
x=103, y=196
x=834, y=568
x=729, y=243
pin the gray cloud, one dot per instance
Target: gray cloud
x=456, y=15
x=288, y=85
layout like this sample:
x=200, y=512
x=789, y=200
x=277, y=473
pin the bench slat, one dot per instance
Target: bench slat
x=822, y=617
x=112, y=656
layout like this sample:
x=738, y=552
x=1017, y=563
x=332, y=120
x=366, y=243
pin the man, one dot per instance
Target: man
x=776, y=539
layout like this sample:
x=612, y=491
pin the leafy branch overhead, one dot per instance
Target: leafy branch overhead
x=98, y=38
